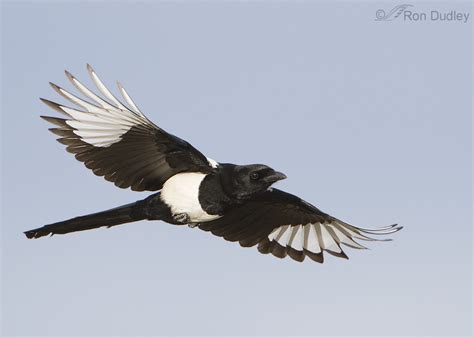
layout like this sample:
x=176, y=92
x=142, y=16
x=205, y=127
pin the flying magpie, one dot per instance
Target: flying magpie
x=236, y=202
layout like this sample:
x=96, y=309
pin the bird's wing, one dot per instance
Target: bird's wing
x=119, y=142
x=283, y=224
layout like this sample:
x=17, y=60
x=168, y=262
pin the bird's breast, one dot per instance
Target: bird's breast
x=181, y=193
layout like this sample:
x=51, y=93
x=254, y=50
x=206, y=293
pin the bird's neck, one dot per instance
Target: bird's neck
x=213, y=196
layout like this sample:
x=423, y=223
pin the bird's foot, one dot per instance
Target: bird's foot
x=182, y=218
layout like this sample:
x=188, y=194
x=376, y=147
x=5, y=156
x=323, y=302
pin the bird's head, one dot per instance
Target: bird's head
x=248, y=180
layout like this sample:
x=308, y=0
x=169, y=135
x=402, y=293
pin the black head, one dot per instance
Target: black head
x=245, y=181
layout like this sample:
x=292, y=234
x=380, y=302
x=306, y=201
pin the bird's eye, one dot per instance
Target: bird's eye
x=254, y=176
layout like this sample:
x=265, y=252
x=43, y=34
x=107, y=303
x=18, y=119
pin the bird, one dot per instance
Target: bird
x=236, y=202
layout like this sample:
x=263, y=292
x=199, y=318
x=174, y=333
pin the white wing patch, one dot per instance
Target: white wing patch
x=327, y=236
x=181, y=193
x=102, y=123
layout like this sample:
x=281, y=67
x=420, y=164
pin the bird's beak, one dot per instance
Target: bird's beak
x=276, y=176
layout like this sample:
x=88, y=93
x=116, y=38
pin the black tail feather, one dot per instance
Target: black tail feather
x=124, y=214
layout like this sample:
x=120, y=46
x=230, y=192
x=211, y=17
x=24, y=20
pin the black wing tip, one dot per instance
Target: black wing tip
x=279, y=251
x=48, y=118
x=71, y=77
x=53, y=105
x=384, y=231
x=395, y=227
x=90, y=70
x=266, y=246
x=296, y=254
x=56, y=121
x=55, y=86
x=341, y=254
x=317, y=257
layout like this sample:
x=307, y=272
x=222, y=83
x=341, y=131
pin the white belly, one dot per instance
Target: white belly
x=180, y=192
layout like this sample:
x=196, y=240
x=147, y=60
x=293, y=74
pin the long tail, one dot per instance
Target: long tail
x=125, y=214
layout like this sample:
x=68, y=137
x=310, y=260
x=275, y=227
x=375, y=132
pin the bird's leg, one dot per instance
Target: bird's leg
x=182, y=218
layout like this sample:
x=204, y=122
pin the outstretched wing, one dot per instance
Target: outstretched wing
x=119, y=142
x=283, y=224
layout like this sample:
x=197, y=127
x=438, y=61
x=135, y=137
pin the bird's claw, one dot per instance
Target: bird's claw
x=182, y=218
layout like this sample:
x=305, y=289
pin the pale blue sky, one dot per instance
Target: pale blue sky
x=371, y=121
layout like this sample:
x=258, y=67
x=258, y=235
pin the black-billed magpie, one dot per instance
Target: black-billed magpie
x=235, y=202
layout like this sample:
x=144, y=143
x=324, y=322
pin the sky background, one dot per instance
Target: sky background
x=371, y=121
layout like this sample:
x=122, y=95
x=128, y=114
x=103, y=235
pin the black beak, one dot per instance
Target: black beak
x=275, y=176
